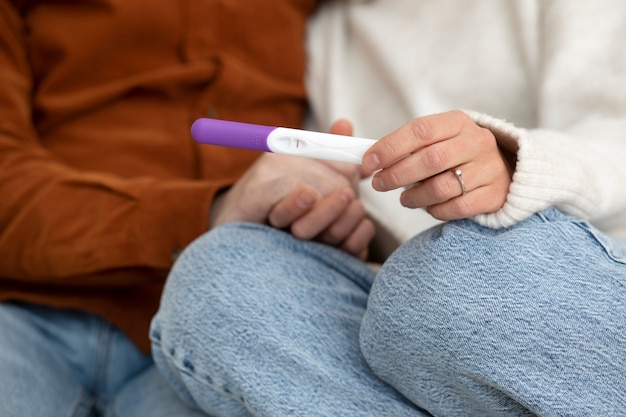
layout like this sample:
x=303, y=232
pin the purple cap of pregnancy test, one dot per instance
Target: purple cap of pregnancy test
x=233, y=134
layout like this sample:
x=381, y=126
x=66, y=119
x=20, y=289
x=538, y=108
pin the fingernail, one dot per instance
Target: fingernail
x=378, y=183
x=347, y=196
x=305, y=199
x=371, y=162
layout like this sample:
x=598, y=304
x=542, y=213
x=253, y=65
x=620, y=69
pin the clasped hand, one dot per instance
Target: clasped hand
x=314, y=199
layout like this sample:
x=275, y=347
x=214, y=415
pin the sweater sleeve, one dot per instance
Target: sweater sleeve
x=559, y=76
x=574, y=159
x=580, y=177
x=57, y=222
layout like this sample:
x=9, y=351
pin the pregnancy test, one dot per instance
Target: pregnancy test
x=281, y=140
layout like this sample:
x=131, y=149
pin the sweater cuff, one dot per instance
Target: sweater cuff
x=542, y=178
x=169, y=218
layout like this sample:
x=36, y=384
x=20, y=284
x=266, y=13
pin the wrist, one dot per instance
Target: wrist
x=216, y=208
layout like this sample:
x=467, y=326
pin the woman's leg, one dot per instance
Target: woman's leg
x=256, y=322
x=469, y=321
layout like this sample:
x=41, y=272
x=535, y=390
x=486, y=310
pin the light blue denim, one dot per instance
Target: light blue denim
x=461, y=321
x=62, y=363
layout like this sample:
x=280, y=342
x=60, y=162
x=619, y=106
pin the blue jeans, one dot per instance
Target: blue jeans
x=460, y=321
x=62, y=363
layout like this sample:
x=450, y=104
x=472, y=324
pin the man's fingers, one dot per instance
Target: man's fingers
x=358, y=242
x=341, y=127
x=324, y=213
x=292, y=207
x=343, y=226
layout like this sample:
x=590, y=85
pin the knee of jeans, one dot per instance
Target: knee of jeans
x=464, y=288
x=204, y=283
x=204, y=292
x=194, y=269
x=435, y=293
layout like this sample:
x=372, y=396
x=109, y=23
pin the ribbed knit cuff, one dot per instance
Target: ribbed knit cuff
x=545, y=175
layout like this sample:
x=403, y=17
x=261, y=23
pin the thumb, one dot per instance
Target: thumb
x=342, y=127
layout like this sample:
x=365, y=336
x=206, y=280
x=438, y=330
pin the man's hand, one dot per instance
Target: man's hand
x=314, y=199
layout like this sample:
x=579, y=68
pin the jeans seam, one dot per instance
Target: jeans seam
x=191, y=374
x=607, y=251
x=84, y=406
x=101, y=361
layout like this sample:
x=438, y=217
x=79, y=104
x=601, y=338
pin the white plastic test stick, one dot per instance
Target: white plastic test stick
x=281, y=140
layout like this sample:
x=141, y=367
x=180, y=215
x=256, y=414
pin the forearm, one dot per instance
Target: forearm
x=57, y=222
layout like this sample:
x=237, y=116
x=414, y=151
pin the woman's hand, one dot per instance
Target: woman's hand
x=424, y=154
x=314, y=199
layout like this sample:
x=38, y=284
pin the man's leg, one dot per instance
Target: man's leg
x=256, y=322
x=67, y=363
x=469, y=321
x=36, y=377
x=131, y=386
x=147, y=394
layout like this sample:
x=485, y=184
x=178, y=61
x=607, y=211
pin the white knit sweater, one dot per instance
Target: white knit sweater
x=548, y=77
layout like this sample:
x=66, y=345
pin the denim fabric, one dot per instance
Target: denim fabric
x=468, y=321
x=461, y=320
x=256, y=322
x=60, y=363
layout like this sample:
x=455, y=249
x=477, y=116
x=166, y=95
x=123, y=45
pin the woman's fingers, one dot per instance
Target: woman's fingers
x=427, y=162
x=447, y=164
x=479, y=201
x=415, y=135
x=445, y=186
x=465, y=191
